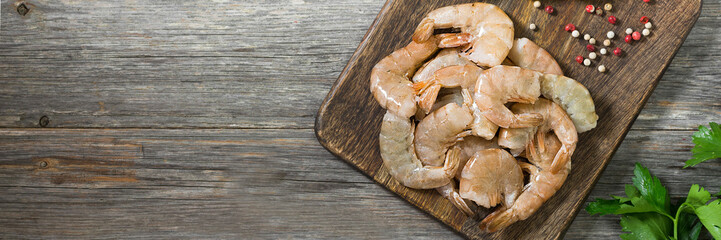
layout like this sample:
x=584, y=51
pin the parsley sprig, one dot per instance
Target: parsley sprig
x=708, y=144
x=647, y=212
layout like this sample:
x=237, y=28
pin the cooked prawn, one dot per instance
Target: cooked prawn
x=501, y=84
x=492, y=176
x=573, y=97
x=447, y=57
x=398, y=154
x=543, y=184
x=555, y=119
x=526, y=54
x=442, y=129
x=389, y=82
x=463, y=76
x=490, y=30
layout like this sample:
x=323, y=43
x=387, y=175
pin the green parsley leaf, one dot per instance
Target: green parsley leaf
x=644, y=226
x=651, y=190
x=697, y=196
x=707, y=144
x=710, y=216
x=603, y=206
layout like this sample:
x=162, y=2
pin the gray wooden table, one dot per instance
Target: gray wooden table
x=193, y=119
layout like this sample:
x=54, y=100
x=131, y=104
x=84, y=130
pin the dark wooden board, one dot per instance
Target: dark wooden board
x=349, y=119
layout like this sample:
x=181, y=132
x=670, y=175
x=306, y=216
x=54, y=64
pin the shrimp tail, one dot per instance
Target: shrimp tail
x=525, y=120
x=451, y=193
x=451, y=40
x=498, y=220
x=453, y=158
x=424, y=31
x=419, y=87
x=560, y=160
x=428, y=97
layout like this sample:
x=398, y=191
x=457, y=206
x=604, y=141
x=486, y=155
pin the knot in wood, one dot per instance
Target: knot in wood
x=22, y=9
x=44, y=121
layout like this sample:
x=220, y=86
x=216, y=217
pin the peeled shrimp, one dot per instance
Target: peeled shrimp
x=526, y=54
x=555, y=119
x=543, y=184
x=445, y=58
x=490, y=30
x=469, y=146
x=442, y=129
x=491, y=177
x=501, y=84
x=463, y=76
x=573, y=97
x=398, y=154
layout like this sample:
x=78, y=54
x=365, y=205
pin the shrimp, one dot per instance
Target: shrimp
x=490, y=29
x=573, y=97
x=463, y=76
x=389, y=82
x=526, y=54
x=445, y=58
x=555, y=118
x=501, y=84
x=442, y=129
x=543, y=184
x=469, y=146
x=492, y=176
x=398, y=154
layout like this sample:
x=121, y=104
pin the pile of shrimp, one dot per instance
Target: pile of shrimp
x=484, y=118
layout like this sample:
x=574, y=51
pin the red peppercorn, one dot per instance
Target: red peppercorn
x=590, y=8
x=549, y=9
x=612, y=19
x=599, y=11
x=644, y=19
x=570, y=27
x=618, y=52
x=636, y=36
x=647, y=1
x=628, y=39
x=579, y=59
x=590, y=48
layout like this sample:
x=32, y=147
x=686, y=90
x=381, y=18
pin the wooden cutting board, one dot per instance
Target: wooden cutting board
x=349, y=119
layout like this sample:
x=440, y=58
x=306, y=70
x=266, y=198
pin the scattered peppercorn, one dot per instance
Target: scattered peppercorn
x=629, y=30
x=587, y=62
x=644, y=19
x=648, y=25
x=636, y=36
x=628, y=39
x=592, y=55
x=618, y=52
x=532, y=26
x=612, y=19
x=610, y=34
x=606, y=42
x=601, y=68
x=592, y=41
x=549, y=9
x=646, y=32
x=570, y=27
x=537, y=4
x=579, y=59
x=575, y=33
x=586, y=37
x=590, y=9
x=599, y=11
x=590, y=48
x=603, y=51
x=608, y=6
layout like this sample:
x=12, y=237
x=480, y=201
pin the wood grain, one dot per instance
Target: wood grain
x=349, y=119
x=215, y=70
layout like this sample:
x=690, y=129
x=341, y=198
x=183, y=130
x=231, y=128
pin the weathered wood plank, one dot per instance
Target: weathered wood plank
x=247, y=64
x=247, y=184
